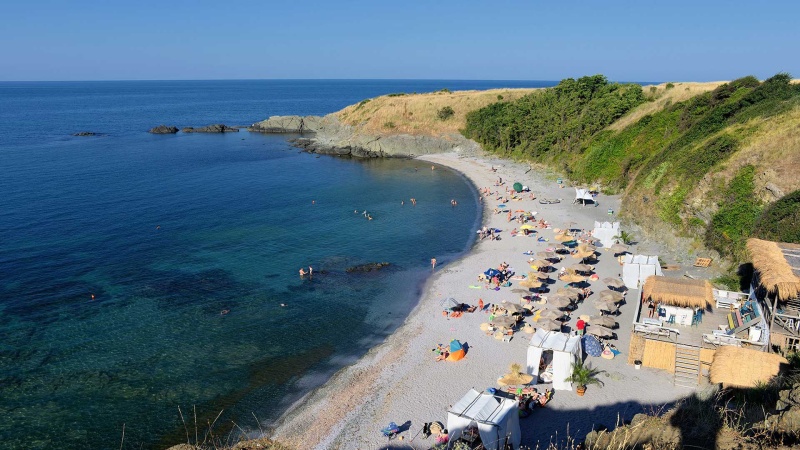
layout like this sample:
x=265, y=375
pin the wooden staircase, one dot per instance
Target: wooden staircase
x=687, y=366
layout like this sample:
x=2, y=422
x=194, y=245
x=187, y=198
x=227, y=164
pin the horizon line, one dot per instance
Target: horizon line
x=333, y=79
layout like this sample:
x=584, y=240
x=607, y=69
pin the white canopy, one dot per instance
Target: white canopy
x=566, y=350
x=583, y=196
x=497, y=419
x=636, y=269
x=605, y=232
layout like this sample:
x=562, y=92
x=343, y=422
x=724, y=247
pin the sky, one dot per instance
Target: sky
x=477, y=40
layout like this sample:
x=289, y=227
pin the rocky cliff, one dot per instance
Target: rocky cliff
x=332, y=137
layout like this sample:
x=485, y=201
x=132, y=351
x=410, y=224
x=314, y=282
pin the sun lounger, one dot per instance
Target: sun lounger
x=549, y=201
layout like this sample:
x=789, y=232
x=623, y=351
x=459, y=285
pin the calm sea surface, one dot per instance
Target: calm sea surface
x=119, y=254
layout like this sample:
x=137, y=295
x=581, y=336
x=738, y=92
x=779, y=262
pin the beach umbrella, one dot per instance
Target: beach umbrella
x=457, y=351
x=619, y=249
x=612, y=296
x=514, y=379
x=569, y=293
x=529, y=283
x=603, y=321
x=527, y=226
x=550, y=314
x=450, y=303
x=604, y=305
x=541, y=276
x=512, y=308
x=549, y=325
x=521, y=291
x=600, y=331
x=503, y=321
x=581, y=267
x=517, y=187
x=539, y=263
x=592, y=346
x=546, y=255
x=614, y=282
x=558, y=301
x=563, y=237
x=571, y=278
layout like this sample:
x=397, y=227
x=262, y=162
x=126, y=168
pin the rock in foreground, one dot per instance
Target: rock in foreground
x=369, y=267
x=215, y=128
x=163, y=129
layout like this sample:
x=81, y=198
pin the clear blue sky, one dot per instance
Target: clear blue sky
x=524, y=39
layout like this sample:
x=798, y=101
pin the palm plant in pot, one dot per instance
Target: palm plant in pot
x=583, y=375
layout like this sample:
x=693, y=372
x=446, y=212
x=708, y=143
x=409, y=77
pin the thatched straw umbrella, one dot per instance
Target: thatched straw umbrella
x=515, y=376
x=539, y=263
x=563, y=237
x=571, y=278
x=559, y=301
x=530, y=283
x=546, y=255
x=775, y=272
x=541, y=276
x=603, y=321
x=521, y=291
x=612, y=296
x=550, y=314
x=600, y=331
x=569, y=293
x=512, y=308
x=744, y=368
x=614, y=282
x=581, y=267
x=503, y=321
x=681, y=292
x=549, y=324
x=618, y=249
x=584, y=251
x=603, y=305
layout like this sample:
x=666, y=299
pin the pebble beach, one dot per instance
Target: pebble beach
x=400, y=381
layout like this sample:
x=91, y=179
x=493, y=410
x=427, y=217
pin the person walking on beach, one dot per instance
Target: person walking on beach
x=433, y=263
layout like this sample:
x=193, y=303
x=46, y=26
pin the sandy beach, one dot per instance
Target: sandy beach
x=400, y=381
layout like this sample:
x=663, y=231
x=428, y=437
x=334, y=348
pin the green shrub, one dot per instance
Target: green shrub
x=499, y=97
x=781, y=220
x=669, y=86
x=444, y=91
x=389, y=125
x=738, y=210
x=445, y=113
x=396, y=94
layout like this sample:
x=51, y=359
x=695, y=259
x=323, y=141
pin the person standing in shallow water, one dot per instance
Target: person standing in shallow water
x=302, y=273
x=433, y=263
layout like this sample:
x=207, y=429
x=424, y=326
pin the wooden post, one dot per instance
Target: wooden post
x=772, y=319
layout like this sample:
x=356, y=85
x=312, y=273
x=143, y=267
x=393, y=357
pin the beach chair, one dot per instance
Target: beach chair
x=390, y=430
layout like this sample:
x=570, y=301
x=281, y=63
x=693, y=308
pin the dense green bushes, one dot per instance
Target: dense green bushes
x=781, y=220
x=560, y=119
x=735, y=219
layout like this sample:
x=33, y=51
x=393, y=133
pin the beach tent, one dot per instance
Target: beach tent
x=605, y=233
x=583, y=196
x=451, y=304
x=566, y=350
x=456, y=351
x=637, y=268
x=497, y=419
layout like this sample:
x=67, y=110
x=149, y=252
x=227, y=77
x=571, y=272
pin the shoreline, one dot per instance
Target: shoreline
x=398, y=379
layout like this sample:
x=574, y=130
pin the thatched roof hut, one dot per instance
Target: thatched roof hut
x=742, y=367
x=778, y=265
x=679, y=292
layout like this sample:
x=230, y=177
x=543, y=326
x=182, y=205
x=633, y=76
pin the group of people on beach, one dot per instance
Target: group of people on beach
x=487, y=232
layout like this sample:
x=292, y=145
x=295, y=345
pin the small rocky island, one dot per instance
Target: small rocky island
x=163, y=129
x=215, y=128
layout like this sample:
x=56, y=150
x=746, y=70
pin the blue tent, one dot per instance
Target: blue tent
x=592, y=346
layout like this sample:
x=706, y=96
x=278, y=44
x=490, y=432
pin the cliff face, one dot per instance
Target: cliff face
x=327, y=135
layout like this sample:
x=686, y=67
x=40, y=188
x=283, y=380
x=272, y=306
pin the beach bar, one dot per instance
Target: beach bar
x=776, y=287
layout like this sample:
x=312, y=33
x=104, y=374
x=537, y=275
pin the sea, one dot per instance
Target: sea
x=149, y=284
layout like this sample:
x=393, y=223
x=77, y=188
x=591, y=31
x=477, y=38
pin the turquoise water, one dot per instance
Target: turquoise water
x=119, y=254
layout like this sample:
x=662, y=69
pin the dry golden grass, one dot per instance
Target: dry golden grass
x=416, y=114
x=664, y=96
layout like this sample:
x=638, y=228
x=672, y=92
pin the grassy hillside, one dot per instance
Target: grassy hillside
x=422, y=114
x=705, y=159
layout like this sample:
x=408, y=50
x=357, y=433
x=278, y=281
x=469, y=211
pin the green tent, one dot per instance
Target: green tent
x=518, y=187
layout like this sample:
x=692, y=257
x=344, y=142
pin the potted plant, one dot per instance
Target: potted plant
x=583, y=375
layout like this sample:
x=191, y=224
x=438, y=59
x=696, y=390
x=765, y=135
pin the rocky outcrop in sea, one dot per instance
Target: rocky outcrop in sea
x=163, y=129
x=215, y=128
